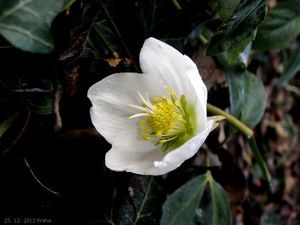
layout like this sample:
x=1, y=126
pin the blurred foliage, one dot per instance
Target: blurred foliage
x=246, y=93
x=280, y=26
x=51, y=52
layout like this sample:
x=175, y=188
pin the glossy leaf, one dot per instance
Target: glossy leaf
x=180, y=206
x=247, y=97
x=280, y=27
x=227, y=7
x=26, y=24
x=235, y=34
x=220, y=204
x=232, y=61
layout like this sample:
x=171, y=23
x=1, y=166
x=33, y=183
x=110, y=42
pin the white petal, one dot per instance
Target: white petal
x=111, y=99
x=216, y=120
x=178, y=72
x=195, y=78
x=200, y=92
x=165, y=63
x=154, y=162
x=141, y=162
x=188, y=149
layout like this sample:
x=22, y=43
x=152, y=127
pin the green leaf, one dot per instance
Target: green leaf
x=259, y=159
x=7, y=122
x=26, y=24
x=40, y=103
x=237, y=61
x=292, y=68
x=101, y=39
x=220, y=204
x=146, y=12
x=68, y=3
x=140, y=208
x=180, y=206
x=145, y=204
x=280, y=27
x=227, y=7
x=247, y=97
x=238, y=31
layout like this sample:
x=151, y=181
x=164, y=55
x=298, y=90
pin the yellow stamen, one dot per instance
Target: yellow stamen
x=167, y=120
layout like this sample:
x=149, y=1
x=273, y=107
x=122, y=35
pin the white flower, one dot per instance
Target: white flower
x=155, y=120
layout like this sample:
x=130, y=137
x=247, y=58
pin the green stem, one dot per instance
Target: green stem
x=176, y=4
x=260, y=160
x=231, y=119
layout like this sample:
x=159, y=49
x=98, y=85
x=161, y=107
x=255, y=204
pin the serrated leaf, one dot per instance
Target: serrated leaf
x=280, y=27
x=292, y=68
x=220, y=204
x=180, y=206
x=247, y=97
x=238, y=31
x=226, y=8
x=26, y=24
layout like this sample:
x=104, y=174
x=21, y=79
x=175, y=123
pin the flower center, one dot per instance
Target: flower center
x=168, y=121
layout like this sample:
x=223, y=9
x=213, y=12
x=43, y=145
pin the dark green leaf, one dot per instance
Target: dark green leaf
x=145, y=204
x=102, y=41
x=40, y=103
x=200, y=216
x=26, y=23
x=68, y=3
x=247, y=97
x=7, y=122
x=280, y=27
x=141, y=207
x=259, y=159
x=236, y=33
x=292, y=68
x=180, y=206
x=200, y=33
x=232, y=61
x=126, y=213
x=220, y=205
x=146, y=14
x=226, y=8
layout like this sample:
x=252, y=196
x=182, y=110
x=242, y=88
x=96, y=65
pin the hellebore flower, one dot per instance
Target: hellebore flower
x=154, y=120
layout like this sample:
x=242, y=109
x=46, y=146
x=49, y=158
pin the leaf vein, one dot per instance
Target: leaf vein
x=15, y=8
x=26, y=33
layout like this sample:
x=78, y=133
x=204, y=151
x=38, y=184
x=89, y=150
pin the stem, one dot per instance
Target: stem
x=260, y=160
x=118, y=34
x=231, y=119
x=37, y=180
x=176, y=4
